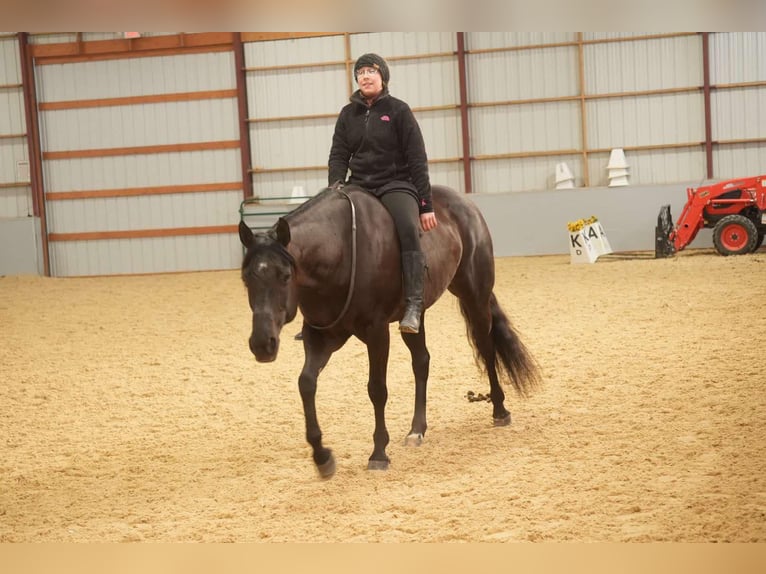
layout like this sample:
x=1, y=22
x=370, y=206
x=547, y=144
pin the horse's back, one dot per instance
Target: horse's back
x=460, y=232
x=457, y=248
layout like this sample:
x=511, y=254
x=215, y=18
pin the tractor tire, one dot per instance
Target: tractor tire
x=759, y=241
x=735, y=235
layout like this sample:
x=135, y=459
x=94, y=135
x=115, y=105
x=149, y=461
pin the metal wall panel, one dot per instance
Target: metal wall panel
x=494, y=40
x=136, y=77
x=738, y=112
x=740, y=160
x=10, y=67
x=425, y=82
x=396, y=44
x=522, y=128
x=144, y=212
x=53, y=38
x=646, y=120
x=297, y=91
x=614, y=35
x=650, y=119
x=521, y=174
x=521, y=75
x=643, y=65
x=651, y=167
x=525, y=128
x=139, y=125
x=737, y=57
x=15, y=191
x=155, y=255
x=159, y=169
x=129, y=125
x=291, y=143
x=295, y=141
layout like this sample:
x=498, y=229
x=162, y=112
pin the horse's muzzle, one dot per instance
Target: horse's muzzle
x=265, y=350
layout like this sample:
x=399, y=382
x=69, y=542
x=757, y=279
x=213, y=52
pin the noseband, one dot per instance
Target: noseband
x=353, y=266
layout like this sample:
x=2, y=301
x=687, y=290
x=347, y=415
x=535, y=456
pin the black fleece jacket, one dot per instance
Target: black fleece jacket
x=380, y=143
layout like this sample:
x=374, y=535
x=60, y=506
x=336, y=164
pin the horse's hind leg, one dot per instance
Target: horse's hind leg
x=421, y=360
x=318, y=348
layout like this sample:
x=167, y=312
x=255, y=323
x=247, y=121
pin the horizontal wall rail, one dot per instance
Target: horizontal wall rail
x=136, y=100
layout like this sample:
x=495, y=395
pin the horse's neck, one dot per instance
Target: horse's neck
x=320, y=235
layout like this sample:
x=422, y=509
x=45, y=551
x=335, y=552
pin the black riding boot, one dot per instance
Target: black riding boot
x=413, y=269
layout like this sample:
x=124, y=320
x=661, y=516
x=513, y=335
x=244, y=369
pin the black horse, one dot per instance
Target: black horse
x=337, y=258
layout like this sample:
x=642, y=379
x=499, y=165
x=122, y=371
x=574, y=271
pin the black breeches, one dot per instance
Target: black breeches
x=404, y=209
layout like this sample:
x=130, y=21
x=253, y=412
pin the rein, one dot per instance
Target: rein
x=353, y=266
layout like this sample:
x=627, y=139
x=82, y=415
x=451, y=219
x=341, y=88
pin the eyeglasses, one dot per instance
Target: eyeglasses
x=367, y=72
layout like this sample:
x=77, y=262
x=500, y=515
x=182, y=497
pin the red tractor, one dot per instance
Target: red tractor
x=734, y=209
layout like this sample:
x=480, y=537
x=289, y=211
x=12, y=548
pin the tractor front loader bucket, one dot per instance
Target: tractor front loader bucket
x=663, y=246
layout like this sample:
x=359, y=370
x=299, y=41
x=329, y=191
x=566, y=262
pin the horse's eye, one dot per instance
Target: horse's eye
x=284, y=277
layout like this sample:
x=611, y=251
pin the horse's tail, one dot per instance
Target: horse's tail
x=513, y=361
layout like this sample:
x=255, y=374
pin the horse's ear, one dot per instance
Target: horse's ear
x=245, y=234
x=283, y=232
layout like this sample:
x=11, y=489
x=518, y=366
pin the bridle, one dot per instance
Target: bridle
x=352, y=280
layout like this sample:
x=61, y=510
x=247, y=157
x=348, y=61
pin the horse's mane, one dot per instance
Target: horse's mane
x=309, y=203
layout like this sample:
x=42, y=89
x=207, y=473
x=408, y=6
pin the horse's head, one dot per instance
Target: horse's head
x=268, y=273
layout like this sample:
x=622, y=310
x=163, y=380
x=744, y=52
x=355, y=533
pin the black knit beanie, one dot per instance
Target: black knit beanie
x=373, y=61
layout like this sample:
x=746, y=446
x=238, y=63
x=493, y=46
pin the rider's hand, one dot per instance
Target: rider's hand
x=428, y=221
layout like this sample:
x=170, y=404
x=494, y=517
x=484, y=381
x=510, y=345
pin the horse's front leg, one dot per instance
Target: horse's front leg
x=421, y=360
x=318, y=348
x=378, y=340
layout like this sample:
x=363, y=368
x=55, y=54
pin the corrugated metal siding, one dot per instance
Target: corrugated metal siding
x=521, y=75
x=519, y=128
x=646, y=120
x=129, y=171
x=649, y=167
x=97, y=128
x=15, y=193
x=136, y=77
x=738, y=112
x=614, y=35
x=740, y=160
x=145, y=212
x=651, y=64
x=53, y=38
x=295, y=141
x=493, y=40
x=525, y=128
x=397, y=44
x=153, y=255
x=737, y=57
x=139, y=125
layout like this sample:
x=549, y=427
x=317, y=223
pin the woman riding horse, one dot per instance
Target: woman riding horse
x=378, y=139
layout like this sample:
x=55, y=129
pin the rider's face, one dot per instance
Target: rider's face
x=370, y=81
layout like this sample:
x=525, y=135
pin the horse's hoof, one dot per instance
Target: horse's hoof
x=414, y=439
x=377, y=465
x=327, y=469
x=502, y=421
